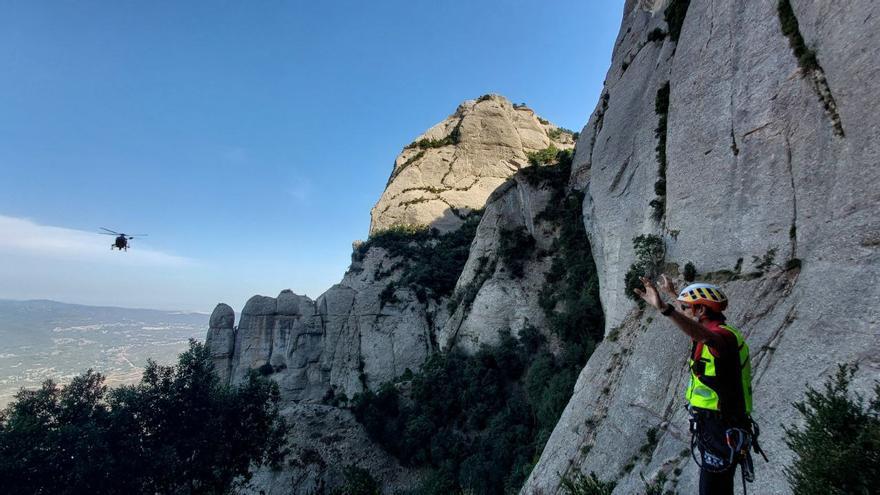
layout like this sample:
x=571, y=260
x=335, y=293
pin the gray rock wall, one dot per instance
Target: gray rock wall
x=325, y=440
x=316, y=351
x=502, y=301
x=344, y=341
x=756, y=161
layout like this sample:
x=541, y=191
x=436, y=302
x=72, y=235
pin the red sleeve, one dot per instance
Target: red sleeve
x=722, y=342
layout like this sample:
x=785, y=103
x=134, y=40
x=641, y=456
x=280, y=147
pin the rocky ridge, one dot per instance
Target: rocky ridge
x=377, y=323
x=768, y=160
x=453, y=167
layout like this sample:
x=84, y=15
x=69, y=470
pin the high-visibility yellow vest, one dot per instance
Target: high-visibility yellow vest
x=705, y=382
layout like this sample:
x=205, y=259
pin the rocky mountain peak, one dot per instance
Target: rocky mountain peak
x=455, y=165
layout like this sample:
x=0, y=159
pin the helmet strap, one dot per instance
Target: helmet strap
x=701, y=315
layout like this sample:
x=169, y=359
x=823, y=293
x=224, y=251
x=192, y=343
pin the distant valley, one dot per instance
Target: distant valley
x=43, y=339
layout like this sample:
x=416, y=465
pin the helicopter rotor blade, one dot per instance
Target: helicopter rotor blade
x=109, y=231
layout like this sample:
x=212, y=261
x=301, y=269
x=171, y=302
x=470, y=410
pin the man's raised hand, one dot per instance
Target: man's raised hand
x=650, y=294
x=667, y=286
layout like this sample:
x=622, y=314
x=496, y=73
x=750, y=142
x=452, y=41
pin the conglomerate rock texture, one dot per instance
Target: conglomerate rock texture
x=355, y=337
x=453, y=167
x=339, y=345
x=764, y=156
x=750, y=153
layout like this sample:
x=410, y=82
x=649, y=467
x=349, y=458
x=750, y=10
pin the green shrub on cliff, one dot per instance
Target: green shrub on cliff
x=177, y=431
x=805, y=55
x=570, y=296
x=837, y=448
x=431, y=261
x=581, y=484
x=515, y=247
x=549, y=168
x=544, y=156
x=674, y=16
x=650, y=252
x=358, y=481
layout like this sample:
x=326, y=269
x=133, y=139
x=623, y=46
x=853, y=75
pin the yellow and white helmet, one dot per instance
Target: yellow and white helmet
x=706, y=294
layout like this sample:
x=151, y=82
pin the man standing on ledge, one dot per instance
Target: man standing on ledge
x=719, y=394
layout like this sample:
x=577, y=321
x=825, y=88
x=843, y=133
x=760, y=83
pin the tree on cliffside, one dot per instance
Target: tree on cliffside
x=837, y=450
x=177, y=431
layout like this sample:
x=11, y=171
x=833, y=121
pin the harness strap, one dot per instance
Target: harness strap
x=698, y=351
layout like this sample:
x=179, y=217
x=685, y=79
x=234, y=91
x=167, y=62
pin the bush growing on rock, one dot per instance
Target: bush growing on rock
x=387, y=295
x=674, y=16
x=357, y=482
x=544, y=156
x=554, y=177
x=656, y=34
x=764, y=263
x=466, y=295
x=690, y=272
x=266, y=369
x=661, y=108
x=515, y=248
x=650, y=252
x=431, y=261
x=837, y=448
x=806, y=56
x=581, y=484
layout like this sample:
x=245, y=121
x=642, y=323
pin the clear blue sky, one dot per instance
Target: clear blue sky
x=248, y=139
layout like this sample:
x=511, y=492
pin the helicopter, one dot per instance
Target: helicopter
x=121, y=242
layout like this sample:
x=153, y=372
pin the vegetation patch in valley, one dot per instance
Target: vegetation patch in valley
x=177, y=431
x=543, y=157
x=477, y=422
x=466, y=295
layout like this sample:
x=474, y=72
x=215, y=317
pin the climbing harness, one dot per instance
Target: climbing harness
x=739, y=442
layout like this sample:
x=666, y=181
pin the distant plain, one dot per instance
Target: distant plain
x=41, y=339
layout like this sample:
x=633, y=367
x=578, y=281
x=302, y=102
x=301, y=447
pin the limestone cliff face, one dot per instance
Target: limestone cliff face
x=453, y=167
x=321, y=350
x=371, y=327
x=501, y=300
x=764, y=155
